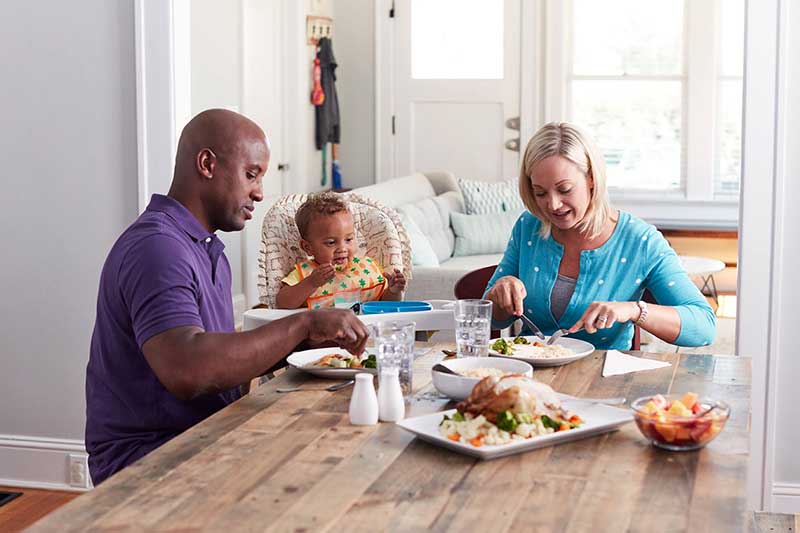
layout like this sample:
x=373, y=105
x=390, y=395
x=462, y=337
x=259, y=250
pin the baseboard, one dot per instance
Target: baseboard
x=44, y=463
x=785, y=498
x=239, y=307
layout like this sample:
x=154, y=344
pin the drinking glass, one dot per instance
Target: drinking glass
x=473, y=318
x=394, y=346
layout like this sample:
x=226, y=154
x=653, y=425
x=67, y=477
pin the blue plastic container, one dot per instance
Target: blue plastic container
x=378, y=307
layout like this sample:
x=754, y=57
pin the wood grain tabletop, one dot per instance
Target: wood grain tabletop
x=292, y=462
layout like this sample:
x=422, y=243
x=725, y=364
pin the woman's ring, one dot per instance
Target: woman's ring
x=602, y=319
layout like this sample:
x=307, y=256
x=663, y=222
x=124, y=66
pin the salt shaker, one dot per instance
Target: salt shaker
x=390, y=396
x=363, y=402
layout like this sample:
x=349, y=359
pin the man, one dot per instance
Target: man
x=164, y=354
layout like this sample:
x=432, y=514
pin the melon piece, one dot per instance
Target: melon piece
x=689, y=399
x=677, y=408
x=667, y=431
x=651, y=408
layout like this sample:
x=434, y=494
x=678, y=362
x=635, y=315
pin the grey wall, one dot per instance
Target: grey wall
x=354, y=46
x=787, y=464
x=68, y=108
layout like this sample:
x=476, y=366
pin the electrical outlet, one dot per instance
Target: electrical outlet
x=78, y=471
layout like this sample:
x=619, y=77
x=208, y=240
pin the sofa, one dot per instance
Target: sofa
x=427, y=203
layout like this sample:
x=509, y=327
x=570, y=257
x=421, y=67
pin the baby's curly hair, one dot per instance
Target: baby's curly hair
x=322, y=203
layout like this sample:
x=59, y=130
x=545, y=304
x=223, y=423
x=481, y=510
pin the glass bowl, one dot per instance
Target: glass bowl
x=681, y=433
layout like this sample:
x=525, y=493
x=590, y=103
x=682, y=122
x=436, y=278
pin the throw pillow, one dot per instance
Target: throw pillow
x=482, y=234
x=422, y=253
x=481, y=197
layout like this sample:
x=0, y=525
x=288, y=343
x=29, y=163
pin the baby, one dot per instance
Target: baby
x=333, y=274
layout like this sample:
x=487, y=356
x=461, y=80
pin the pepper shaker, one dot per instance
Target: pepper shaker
x=363, y=403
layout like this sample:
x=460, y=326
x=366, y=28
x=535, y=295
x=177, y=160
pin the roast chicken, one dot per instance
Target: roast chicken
x=516, y=393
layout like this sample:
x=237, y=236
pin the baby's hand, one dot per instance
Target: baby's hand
x=396, y=282
x=322, y=275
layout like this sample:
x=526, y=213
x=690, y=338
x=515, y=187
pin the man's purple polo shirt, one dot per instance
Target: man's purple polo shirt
x=165, y=271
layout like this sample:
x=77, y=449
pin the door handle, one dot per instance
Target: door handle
x=283, y=166
x=513, y=123
x=512, y=144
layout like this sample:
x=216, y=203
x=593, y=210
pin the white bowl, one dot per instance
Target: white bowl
x=460, y=387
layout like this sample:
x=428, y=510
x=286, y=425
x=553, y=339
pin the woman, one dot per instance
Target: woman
x=575, y=262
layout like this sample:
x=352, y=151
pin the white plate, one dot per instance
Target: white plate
x=579, y=348
x=300, y=360
x=597, y=419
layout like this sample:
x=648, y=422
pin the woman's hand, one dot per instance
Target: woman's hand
x=602, y=315
x=508, y=296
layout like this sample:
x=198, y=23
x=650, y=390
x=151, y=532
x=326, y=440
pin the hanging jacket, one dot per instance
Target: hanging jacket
x=327, y=124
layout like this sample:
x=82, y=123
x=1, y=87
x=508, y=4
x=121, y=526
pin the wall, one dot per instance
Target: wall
x=786, y=481
x=769, y=279
x=354, y=46
x=68, y=104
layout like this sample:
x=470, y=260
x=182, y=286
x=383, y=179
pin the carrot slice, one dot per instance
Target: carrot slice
x=477, y=441
x=564, y=427
x=454, y=436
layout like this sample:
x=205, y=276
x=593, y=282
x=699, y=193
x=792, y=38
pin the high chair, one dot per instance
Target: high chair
x=379, y=234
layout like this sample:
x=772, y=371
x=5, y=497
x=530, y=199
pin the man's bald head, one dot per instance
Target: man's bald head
x=220, y=161
x=220, y=130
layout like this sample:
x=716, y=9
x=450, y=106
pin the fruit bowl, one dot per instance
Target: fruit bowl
x=680, y=422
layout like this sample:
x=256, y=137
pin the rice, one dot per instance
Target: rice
x=491, y=434
x=541, y=352
x=482, y=372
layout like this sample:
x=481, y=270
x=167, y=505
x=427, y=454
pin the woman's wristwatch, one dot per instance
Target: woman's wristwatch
x=642, y=312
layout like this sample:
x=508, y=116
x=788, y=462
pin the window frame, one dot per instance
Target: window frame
x=693, y=204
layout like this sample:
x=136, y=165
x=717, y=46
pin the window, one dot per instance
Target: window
x=457, y=39
x=658, y=83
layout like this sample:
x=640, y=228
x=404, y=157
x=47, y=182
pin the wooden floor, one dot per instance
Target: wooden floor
x=30, y=507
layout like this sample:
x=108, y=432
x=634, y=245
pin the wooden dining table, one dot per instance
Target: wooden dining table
x=292, y=462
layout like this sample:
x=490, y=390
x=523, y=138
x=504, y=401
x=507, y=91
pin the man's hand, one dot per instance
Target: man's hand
x=322, y=275
x=508, y=296
x=395, y=282
x=340, y=326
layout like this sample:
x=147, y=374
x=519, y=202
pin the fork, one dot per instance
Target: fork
x=332, y=388
x=528, y=322
x=557, y=335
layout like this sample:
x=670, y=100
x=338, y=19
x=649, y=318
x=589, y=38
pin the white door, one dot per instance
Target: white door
x=263, y=100
x=243, y=70
x=457, y=87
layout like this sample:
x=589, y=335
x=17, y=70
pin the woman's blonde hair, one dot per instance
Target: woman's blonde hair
x=568, y=141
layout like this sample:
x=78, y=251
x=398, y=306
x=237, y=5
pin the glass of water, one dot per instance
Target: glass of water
x=394, y=347
x=473, y=318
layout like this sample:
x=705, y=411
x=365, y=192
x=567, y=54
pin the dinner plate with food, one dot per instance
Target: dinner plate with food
x=335, y=363
x=513, y=414
x=533, y=350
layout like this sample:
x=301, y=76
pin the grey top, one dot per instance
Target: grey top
x=561, y=295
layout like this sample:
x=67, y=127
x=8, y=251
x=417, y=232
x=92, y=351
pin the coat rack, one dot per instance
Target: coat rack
x=317, y=28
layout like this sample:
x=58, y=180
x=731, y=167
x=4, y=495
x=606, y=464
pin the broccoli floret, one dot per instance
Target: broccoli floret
x=506, y=421
x=550, y=423
x=501, y=346
x=370, y=361
x=458, y=416
x=520, y=340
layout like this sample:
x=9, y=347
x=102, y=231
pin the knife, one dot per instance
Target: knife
x=528, y=322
